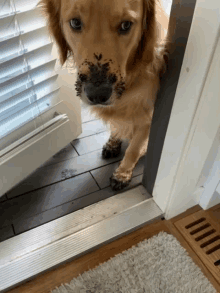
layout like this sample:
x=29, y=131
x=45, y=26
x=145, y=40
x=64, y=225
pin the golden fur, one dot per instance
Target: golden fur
x=136, y=60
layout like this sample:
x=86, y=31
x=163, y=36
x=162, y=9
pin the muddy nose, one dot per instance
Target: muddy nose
x=98, y=94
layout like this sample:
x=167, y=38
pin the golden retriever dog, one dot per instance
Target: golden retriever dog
x=119, y=49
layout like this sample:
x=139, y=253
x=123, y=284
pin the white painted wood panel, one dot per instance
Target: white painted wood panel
x=178, y=173
x=24, y=159
x=211, y=192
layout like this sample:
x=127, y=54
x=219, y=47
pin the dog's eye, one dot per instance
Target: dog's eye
x=125, y=27
x=76, y=24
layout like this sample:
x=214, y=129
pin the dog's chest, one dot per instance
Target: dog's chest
x=122, y=129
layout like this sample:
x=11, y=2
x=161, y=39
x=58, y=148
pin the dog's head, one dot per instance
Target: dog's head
x=108, y=39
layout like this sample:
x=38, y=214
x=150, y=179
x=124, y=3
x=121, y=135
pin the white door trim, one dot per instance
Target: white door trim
x=171, y=192
x=211, y=195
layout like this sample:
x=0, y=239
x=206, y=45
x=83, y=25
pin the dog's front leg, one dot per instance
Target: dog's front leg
x=112, y=148
x=136, y=149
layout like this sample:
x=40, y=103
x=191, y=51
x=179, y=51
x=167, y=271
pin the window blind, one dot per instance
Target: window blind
x=28, y=88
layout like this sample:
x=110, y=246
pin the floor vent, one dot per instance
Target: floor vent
x=203, y=235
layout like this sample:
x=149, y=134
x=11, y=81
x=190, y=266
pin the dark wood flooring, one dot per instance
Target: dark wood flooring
x=74, y=178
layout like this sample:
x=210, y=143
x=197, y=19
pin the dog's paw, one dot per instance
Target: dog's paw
x=111, y=151
x=119, y=181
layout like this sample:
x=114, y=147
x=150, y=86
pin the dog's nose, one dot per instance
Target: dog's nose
x=98, y=94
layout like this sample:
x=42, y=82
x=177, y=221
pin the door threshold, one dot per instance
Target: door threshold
x=31, y=253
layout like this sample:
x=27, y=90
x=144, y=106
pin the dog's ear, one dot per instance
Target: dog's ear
x=148, y=40
x=51, y=9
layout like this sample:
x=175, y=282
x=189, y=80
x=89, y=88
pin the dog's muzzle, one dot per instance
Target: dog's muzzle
x=98, y=94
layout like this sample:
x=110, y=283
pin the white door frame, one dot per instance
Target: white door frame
x=180, y=167
x=210, y=189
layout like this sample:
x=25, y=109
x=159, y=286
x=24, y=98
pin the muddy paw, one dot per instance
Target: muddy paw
x=111, y=151
x=119, y=183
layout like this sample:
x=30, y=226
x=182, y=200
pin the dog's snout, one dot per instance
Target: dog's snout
x=98, y=94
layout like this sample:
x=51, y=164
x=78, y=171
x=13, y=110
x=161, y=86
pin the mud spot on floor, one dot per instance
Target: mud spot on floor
x=68, y=173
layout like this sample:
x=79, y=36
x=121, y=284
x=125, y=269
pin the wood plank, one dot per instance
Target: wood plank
x=70, y=224
x=92, y=127
x=103, y=174
x=3, y=198
x=65, y=154
x=64, y=170
x=25, y=224
x=6, y=233
x=89, y=144
x=18, y=209
x=214, y=214
x=76, y=244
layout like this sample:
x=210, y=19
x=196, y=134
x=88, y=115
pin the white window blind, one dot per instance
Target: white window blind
x=28, y=88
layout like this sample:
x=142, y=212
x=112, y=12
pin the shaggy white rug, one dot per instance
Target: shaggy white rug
x=159, y=264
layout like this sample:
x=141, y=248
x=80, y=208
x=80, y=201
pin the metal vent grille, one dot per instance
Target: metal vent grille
x=203, y=235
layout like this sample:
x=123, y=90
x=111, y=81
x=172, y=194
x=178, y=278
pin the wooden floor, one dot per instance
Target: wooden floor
x=65, y=273
x=78, y=172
